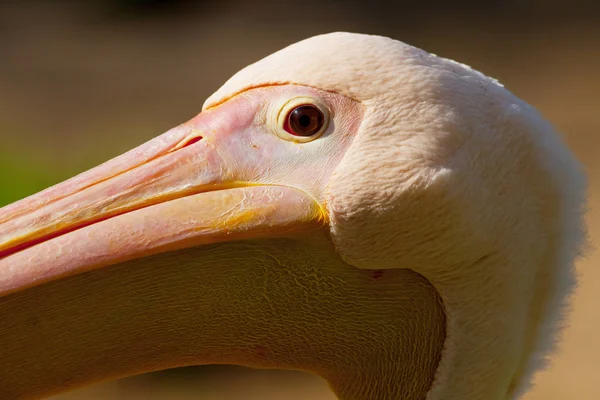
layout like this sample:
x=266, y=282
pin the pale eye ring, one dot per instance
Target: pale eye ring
x=302, y=119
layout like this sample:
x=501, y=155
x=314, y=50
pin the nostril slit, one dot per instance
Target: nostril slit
x=190, y=140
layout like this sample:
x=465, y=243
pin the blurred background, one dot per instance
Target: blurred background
x=81, y=82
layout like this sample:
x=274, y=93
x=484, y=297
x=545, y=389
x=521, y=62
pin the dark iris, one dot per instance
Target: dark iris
x=305, y=120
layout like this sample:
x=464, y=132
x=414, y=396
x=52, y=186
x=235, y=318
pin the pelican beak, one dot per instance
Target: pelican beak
x=182, y=189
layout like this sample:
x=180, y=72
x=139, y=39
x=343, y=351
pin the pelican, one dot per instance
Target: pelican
x=350, y=206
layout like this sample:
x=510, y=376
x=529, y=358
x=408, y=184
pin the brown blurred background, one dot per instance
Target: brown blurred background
x=81, y=82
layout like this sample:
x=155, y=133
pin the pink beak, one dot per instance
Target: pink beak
x=170, y=193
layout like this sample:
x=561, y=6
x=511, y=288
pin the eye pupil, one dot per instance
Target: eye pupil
x=305, y=120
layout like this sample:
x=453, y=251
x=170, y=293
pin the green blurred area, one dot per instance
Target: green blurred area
x=81, y=82
x=20, y=178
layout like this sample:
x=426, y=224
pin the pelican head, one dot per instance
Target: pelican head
x=350, y=206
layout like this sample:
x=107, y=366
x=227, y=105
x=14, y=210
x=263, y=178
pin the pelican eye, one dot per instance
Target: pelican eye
x=304, y=120
x=301, y=119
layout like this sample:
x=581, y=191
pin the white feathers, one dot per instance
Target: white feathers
x=453, y=177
